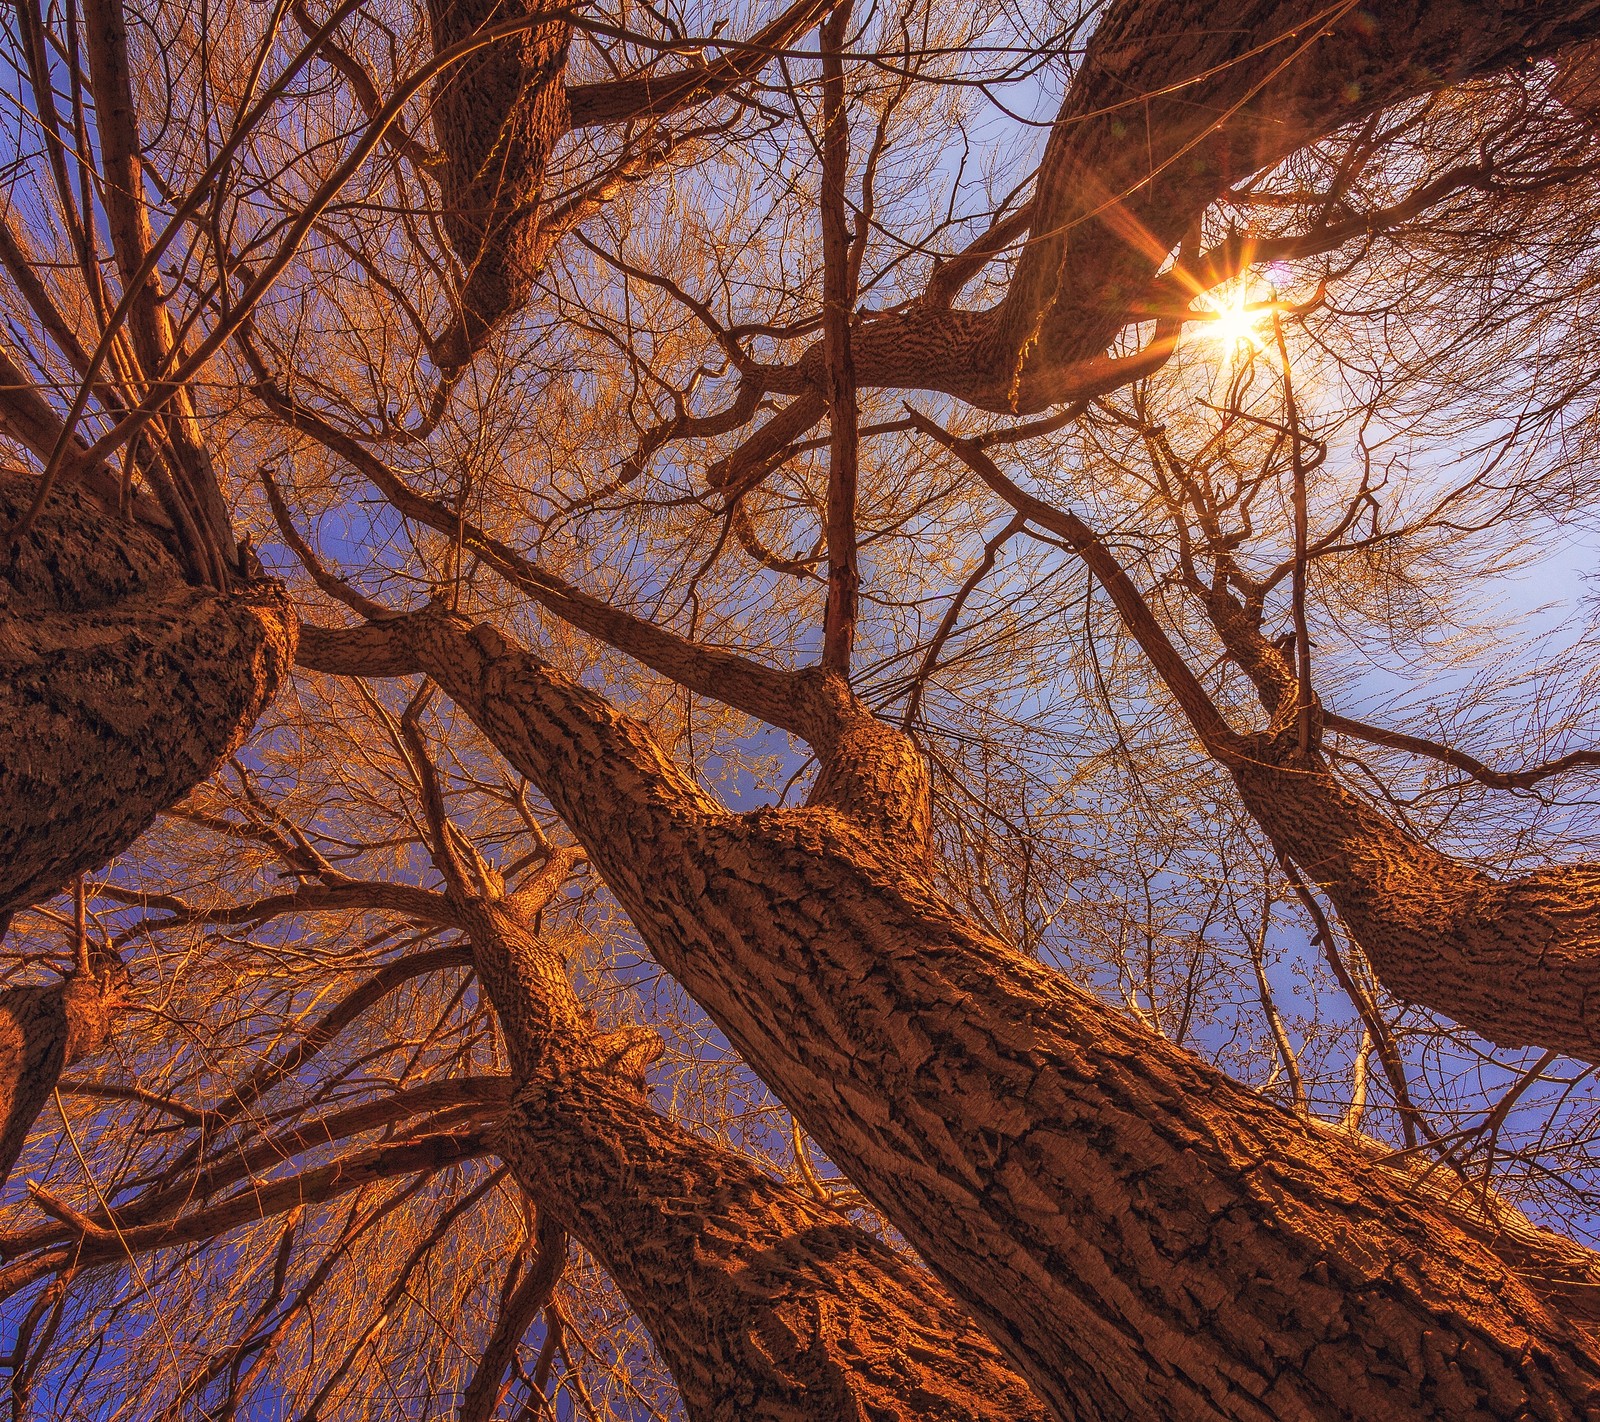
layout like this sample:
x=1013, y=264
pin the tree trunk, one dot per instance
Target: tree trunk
x=1216, y=104
x=1144, y=1237
x=497, y=114
x=121, y=685
x=43, y=1030
x=1517, y=961
x=765, y=1302
x=1575, y=81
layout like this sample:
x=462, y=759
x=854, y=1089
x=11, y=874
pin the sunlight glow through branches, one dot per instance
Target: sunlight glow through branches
x=1237, y=323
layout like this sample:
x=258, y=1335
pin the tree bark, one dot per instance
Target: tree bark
x=44, y=1030
x=121, y=685
x=1576, y=83
x=765, y=1302
x=500, y=112
x=1120, y=183
x=1166, y=112
x=1517, y=961
x=497, y=115
x=1143, y=1236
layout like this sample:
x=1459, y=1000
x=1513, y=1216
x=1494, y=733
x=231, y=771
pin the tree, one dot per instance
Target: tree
x=1136, y=1231
x=766, y=1300
x=198, y=671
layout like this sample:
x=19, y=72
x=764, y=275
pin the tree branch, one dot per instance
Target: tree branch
x=1459, y=760
x=654, y=96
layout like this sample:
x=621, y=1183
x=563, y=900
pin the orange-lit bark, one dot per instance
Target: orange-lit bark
x=43, y=1030
x=121, y=685
x=1143, y=1237
x=497, y=115
x=765, y=1302
x=1516, y=960
x=1166, y=111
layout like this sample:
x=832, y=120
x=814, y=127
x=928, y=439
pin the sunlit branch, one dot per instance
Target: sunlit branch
x=1214, y=732
x=320, y=1184
x=1458, y=759
x=520, y=1304
x=838, y=301
x=654, y=96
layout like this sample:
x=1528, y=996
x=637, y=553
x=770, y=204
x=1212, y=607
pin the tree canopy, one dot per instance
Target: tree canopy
x=799, y=712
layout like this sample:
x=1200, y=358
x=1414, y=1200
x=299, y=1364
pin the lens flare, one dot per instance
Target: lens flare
x=1235, y=325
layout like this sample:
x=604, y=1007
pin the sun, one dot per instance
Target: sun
x=1233, y=325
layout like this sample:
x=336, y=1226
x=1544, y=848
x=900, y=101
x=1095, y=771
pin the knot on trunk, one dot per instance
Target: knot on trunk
x=92, y=1003
x=871, y=773
x=628, y=1053
x=1276, y=751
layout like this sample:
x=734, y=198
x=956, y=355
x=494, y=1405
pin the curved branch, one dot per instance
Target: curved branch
x=318, y=1185
x=356, y=895
x=1524, y=779
x=768, y=693
x=1195, y=701
x=519, y=1306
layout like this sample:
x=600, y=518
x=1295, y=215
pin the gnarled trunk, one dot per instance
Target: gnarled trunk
x=1144, y=1237
x=765, y=1303
x=121, y=685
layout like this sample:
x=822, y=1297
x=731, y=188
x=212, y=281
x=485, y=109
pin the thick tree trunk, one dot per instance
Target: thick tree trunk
x=764, y=1302
x=121, y=685
x=1144, y=1237
x=1221, y=102
x=497, y=115
x=1517, y=961
x=43, y=1030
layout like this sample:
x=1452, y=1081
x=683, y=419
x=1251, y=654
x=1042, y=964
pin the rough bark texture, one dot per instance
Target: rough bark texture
x=1517, y=961
x=1123, y=177
x=497, y=114
x=1144, y=1237
x=765, y=1302
x=121, y=685
x=1118, y=189
x=500, y=112
x=43, y=1030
